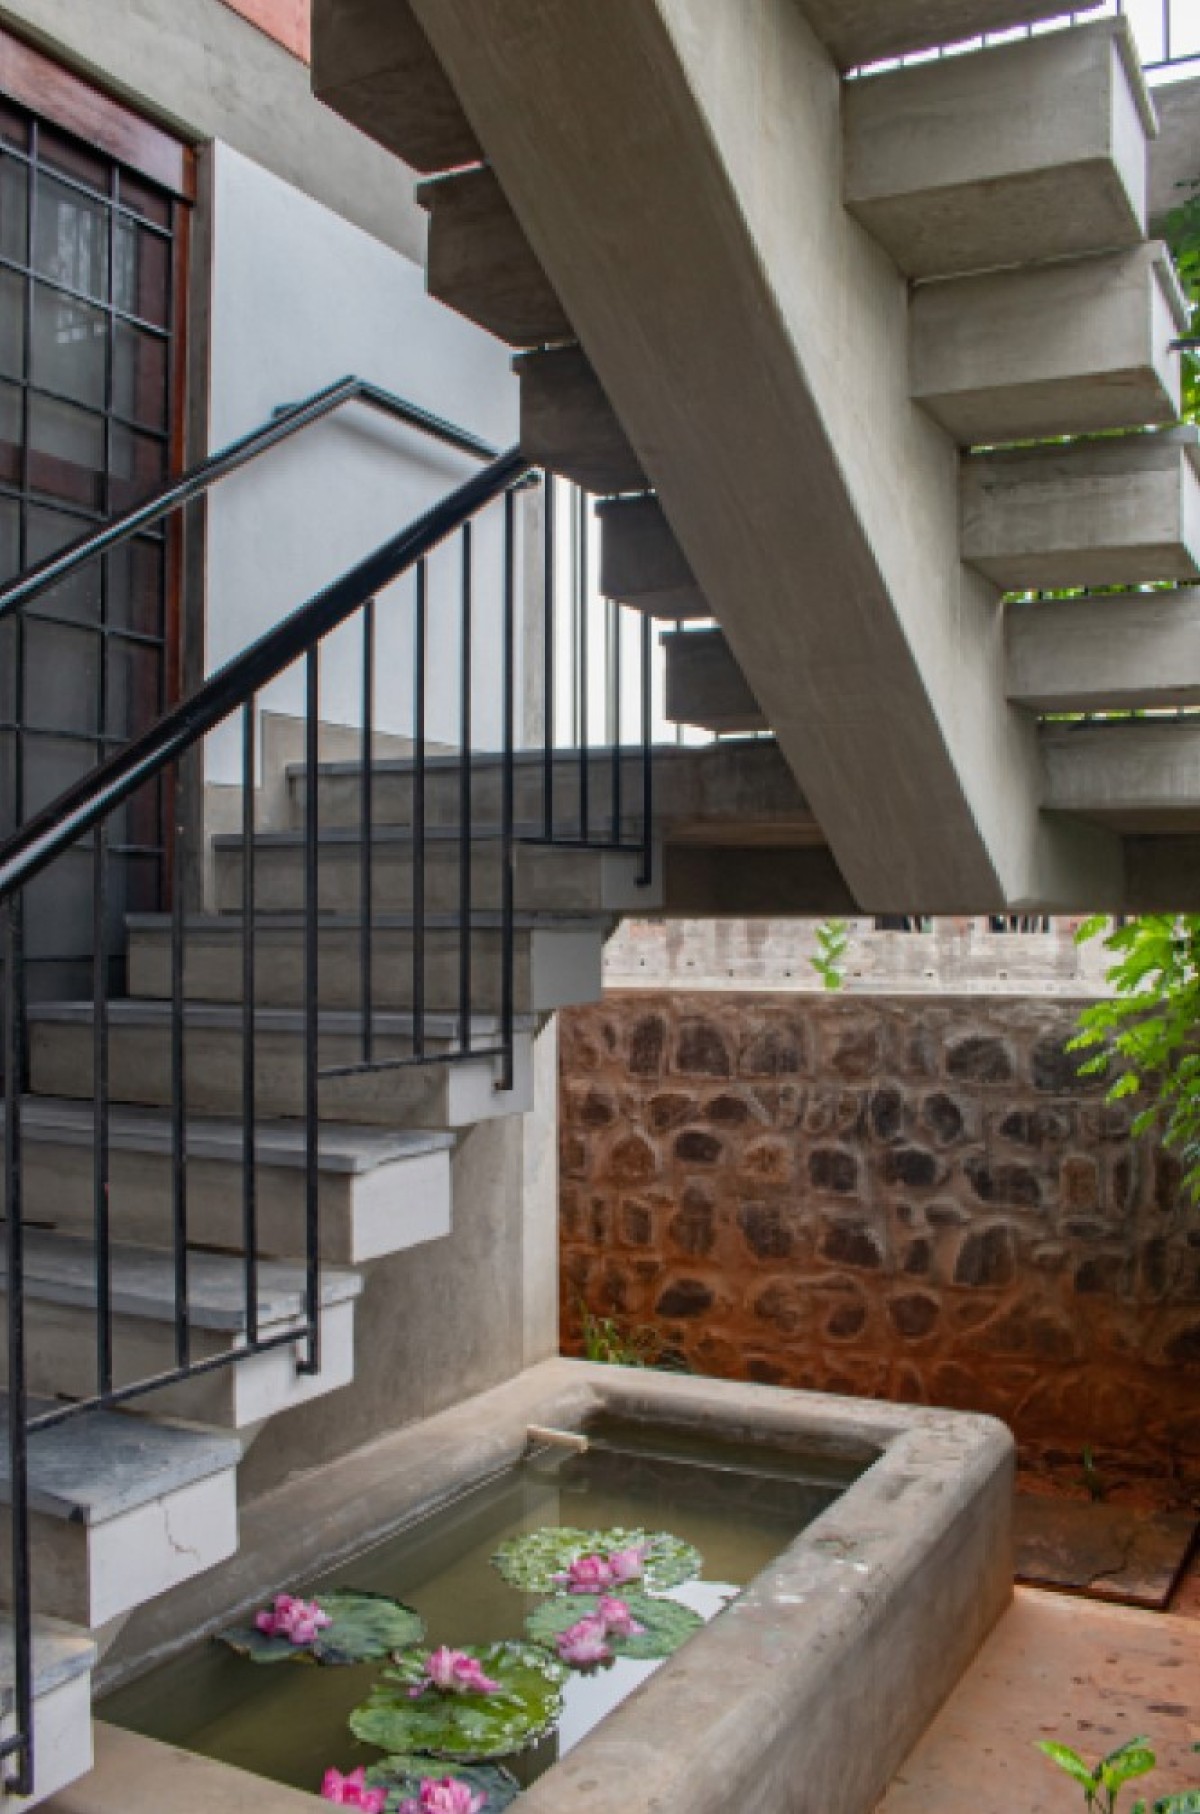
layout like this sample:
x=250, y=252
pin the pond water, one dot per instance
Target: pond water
x=739, y=1505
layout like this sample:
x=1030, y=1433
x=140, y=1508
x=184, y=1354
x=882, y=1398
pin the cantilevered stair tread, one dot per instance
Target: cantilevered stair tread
x=867, y=31
x=96, y=1466
x=1128, y=651
x=60, y=1654
x=390, y=1025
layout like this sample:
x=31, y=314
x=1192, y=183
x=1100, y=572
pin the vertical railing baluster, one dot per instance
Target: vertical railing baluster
x=179, y=1187
x=249, y=1023
x=584, y=578
x=312, y=1010
x=615, y=616
x=464, y=802
x=100, y=1112
x=420, y=631
x=366, y=818
x=507, y=852
x=18, y=1460
x=550, y=607
x=646, y=872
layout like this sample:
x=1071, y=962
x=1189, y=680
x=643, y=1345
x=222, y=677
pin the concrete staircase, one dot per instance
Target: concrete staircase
x=790, y=321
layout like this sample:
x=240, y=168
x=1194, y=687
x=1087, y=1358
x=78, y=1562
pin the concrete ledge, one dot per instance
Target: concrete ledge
x=1117, y=652
x=1138, y=776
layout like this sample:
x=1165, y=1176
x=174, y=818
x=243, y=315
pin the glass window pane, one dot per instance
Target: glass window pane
x=11, y=434
x=150, y=203
x=70, y=346
x=10, y=539
x=139, y=375
x=52, y=764
x=14, y=210
x=14, y=127
x=71, y=238
x=141, y=281
x=79, y=596
x=12, y=324
x=58, y=152
x=135, y=587
x=58, y=909
x=133, y=677
x=66, y=452
x=62, y=677
x=138, y=466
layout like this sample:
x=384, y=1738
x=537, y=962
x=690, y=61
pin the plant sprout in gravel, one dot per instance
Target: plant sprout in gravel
x=1103, y=1783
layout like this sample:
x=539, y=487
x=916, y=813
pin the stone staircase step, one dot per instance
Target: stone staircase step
x=1132, y=651
x=1024, y=151
x=479, y=261
x=550, y=880
x=1111, y=512
x=60, y=1318
x=1068, y=348
x=705, y=686
x=63, y=1659
x=642, y=564
x=866, y=31
x=378, y=70
x=381, y=1192
x=569, y=426
x=439, y=1095
x=122, y=1510
x=556, y=963
x=1140, y=776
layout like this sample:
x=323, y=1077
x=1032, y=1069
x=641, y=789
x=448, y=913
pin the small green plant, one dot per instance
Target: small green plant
x=605, y=1341
x=1103, y=1784
x=833, y=939
x=1093, y=1480
x=1182, y=233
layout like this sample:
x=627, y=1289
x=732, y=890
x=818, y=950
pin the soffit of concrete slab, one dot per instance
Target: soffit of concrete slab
x=861, y=31
x=1175, y=157
x=677, y=169
x=219, y=77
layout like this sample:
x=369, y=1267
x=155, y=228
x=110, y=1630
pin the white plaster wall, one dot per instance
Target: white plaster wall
x=301, y=298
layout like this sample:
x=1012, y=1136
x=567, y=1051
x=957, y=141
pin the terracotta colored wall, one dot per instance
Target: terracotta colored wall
x=289, y=22
x=908, y=1198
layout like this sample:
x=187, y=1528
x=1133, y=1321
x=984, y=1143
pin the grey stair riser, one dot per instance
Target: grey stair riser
x=569, y=426
x=61, y=1360
x=867, y=31
x=1066, y=348
x=479, y=262
x=705, y=686
x=642, y=563
x=1139, y=778
x=378, y=70
x=548, y=881
x=431, y=1096
x=340, y=799
x=551, y=970
x=1122, y=652
x=363, y=1216
x=1103, y=513
x=1026, y=151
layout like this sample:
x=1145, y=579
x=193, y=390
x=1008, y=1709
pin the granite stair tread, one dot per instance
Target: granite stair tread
x=388, y=1024
x=100, y=1464
x=60, y=1653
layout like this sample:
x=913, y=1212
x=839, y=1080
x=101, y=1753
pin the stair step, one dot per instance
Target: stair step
x=1069, y=348
x=1132, y=651
x=569, y=426
x=63, y=1660
x=431, y=1095
x=547, y=879
x=380, y=1192
x=60, y=1306
x=121, y=1510
x=642, y=564
x=556, y=964
x=1024, y=151
x=1110, y=512
x=866, y=31
x=378, y=70
x=705, y=686
x=479, y=261
x=1138, y=776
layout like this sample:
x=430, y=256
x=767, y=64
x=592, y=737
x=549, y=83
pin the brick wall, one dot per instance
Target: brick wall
x=909, y=1198
x=289, y=22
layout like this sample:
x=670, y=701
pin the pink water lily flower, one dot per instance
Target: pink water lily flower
x=298, y=1621
x=583, y=1645
x=587, y=1575
x=454, y=1672
x=352, y=1791
x=626, y=1565
x=616, y=1619
x=443, y=1796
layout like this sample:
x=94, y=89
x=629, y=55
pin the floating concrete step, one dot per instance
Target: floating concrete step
x=556, y=963
x=1024, y=151
x=380, y=1192
x=1068, y=348
x=479, y=261
x=1138, y=776
x=569, y=426
x=121, y=1510
x=549, y=880
x=60, y=1322
x=865, y=31
x=1120, y=652
x=704, y=685
x=428, y=1095
x=63, y=1659
x=373, y=64
x=642, y=564
x=1110, y=512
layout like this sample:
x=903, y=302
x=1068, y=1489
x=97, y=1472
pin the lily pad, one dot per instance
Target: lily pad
x=531, y=1562
x=402, y=1778
x=363, y=1628
x=667, y=1623
x=470, y=1728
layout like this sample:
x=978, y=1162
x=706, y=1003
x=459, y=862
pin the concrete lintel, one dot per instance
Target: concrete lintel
x=1124, y=652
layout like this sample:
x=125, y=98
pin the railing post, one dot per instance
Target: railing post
x=14, y=1077
x=312, y=1010
x=507, y=853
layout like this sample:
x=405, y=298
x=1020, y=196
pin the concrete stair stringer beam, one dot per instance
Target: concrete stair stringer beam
x=1133, y=651
x=374, y=65
x=479, y=262
x=1140, y=776
x=705, y=687
x=569, y=426
x=677, y=168
x=1004, y=156
x=1067, y=348
x=63, y=1659
x=642, y=564
x=866, y=31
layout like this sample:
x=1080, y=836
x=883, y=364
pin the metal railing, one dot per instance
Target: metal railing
x=433, y=1031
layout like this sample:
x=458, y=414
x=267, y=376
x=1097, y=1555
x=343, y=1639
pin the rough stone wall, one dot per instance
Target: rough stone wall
x=916, y=1199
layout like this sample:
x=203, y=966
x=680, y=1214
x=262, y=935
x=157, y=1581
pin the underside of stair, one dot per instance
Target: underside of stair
x=705, y=688
x=642, y=564
x=867, y=31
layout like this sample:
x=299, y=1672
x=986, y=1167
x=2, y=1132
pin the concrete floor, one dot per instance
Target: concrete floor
x=1068, y=1669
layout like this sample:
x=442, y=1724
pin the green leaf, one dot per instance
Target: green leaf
x=365, y=1628
x=1125, y=1763
x=1071, y=1762
x=467, y=1727
x=530, y=1562
x=667, y=1623
x=402, y=1778
x=1186, y=1803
